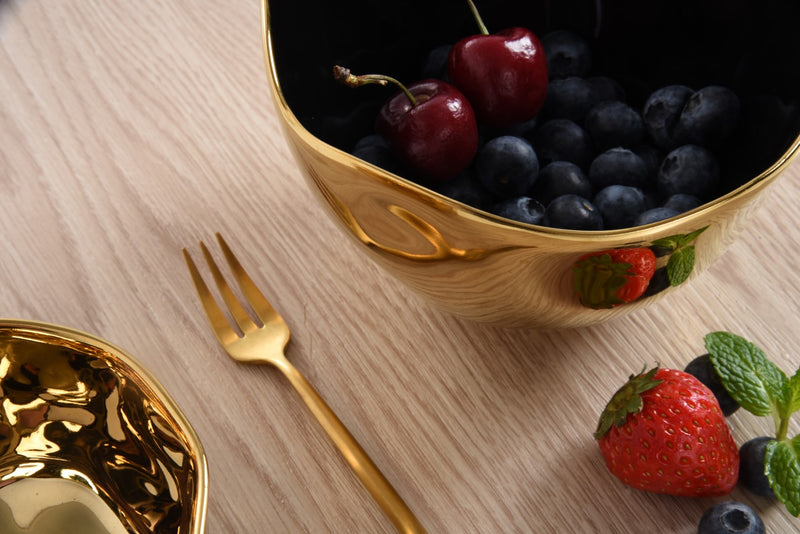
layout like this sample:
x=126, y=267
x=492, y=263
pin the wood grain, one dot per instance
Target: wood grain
x=133, y=129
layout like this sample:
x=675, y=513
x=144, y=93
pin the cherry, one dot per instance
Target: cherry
x=429, y=125
x=504, y=74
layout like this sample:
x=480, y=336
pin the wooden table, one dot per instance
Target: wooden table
x=133, y=129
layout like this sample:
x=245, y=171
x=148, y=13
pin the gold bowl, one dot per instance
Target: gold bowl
x=487, y=268
x=89, y=439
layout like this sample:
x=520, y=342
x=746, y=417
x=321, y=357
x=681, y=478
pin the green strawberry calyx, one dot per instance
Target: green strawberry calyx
x=626, y=401
x=598, y=278
x=763, y=389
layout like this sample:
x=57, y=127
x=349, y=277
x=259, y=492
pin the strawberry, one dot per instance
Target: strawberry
x=612, y=277
x=664, y=432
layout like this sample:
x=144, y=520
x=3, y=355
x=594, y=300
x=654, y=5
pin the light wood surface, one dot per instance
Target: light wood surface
x=132, y=129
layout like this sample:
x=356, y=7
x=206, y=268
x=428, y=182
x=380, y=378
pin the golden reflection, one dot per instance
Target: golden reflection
x=482, y=267
x=77, y=409
x=440, y=248
x=23, y=470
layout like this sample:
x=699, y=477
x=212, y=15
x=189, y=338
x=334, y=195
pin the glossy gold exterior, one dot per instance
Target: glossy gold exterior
x=480, y=266
x=90, y=442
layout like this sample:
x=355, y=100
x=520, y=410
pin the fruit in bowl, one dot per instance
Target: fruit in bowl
x=644, y=140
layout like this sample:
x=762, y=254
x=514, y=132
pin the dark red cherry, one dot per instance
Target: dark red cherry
x=504, y=75
x=429, y=125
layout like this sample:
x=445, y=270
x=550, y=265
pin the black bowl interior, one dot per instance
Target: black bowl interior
x=750, y=46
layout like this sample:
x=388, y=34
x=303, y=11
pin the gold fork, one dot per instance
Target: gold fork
x=265, y=342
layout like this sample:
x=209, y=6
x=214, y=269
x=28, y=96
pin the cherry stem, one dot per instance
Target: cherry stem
x=343, y=75
x=478, y=19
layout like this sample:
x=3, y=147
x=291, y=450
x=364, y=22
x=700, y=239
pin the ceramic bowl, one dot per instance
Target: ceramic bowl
x=487, y=268
x=90, y=442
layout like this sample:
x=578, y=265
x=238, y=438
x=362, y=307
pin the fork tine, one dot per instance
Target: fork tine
x=236, y=309
x=219, y=323
x=261, y=306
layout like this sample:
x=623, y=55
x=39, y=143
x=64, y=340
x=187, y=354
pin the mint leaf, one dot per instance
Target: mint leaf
x=790, y=400
x=782, y=466
x=680, y=265
x=674, y=242
x=688, y=238
x=746, y=373
x=671, y=242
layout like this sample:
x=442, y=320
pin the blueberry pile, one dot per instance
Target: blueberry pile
x=590, y=160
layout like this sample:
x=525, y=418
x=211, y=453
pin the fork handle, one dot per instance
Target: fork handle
x=372, y=478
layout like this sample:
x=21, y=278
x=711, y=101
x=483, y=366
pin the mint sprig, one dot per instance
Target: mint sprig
x=760, y=387
x=682, y=255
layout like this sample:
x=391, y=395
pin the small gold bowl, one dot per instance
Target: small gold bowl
x=472, y=263
x=88, y=438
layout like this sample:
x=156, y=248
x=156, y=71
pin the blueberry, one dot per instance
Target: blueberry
x=709, y=117
x=567, y=54
x=563, y=140
x=369, y=141
x=661, y=112
x=652, y=198
x=568, y=98
x=561, y=178
x=681, y=202
x=658, y=283
x=618, y=166
x=464, y=188
x=702, y=369
x=651, y=156
x=766, y=123
x=605, y=88
x=751, y=466
x=619, y=205
x=573, y=212
x=614, y=124
x=507, y=166
x=374, y=149
x=522, y=209
x=652, y=215
x=520, y=129
x=730, y=517
x=435, y=65
x=689, y=169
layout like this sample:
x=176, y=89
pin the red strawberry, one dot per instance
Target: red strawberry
x=664, y=432
x=613, y=277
